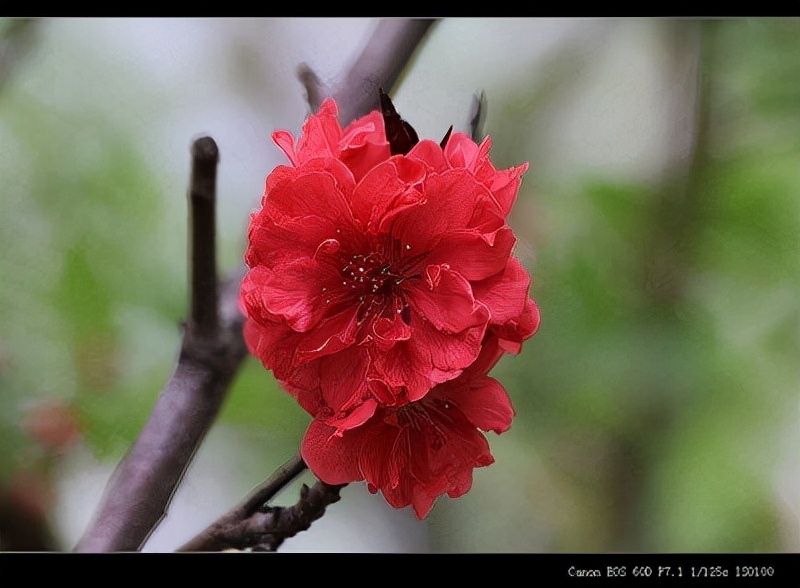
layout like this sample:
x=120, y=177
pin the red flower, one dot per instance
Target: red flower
x=415, y=453
x=375, y=277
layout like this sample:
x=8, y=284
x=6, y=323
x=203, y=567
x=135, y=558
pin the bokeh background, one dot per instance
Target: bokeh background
x=657, y=407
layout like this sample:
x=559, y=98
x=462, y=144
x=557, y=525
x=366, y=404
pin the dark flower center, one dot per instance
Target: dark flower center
x=378, y=287
x=374, y=283
x=370, y=275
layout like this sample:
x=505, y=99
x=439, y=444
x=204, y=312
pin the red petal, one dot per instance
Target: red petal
x=444, y=299
x=450, y=200
x=321, y=133
x=345, y=388
x=483, y=400
x=386, y=332
x=504, y=294
x=512, y=333
x=434, y=452
x=504, y=186
x=285, y=141
x=430, y=153
x=332, y=334
x=461, y=151
x=386, y=190
x=270, y=243
x=429, y=357
x=310, y=193
x=474, y=255
x=292, y=291
x=269, y=344
x=331, y=457
x=364, y=145
x=412, y=455
x=490, y=354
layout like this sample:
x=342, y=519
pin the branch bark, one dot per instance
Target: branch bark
x=379, y=65
x=138, y=494
x=203, y=311
x=253, y=525
x=17, y=39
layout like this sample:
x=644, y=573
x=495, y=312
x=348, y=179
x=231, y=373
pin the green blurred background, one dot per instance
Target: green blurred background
x=657, y=406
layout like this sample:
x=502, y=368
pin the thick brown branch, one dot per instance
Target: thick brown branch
x=138, y=494
x=379, y=65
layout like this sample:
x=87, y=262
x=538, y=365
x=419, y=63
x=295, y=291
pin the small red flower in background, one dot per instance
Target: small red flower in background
x=52, y=423
x=380, y=270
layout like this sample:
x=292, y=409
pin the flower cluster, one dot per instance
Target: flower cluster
x=381, y=290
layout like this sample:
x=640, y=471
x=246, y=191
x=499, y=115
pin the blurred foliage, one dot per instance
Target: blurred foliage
x=662, y=386
x=93, y=282
x=652, y=405
x=75, y=224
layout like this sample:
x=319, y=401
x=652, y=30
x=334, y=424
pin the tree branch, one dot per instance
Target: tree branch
x=17, y=38
x=203, y=312
x=138, y=494
x=379, y=65
x=252, y=524
x=267, y=528
x=477, y=116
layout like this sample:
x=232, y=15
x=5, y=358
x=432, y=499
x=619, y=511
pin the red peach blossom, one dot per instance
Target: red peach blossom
x=375, y=277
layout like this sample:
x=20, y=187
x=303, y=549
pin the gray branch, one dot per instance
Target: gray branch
x=138, y=494
x=252, y=524
x=17, y=39
x=379, y=65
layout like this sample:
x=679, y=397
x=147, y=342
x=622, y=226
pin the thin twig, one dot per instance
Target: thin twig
x=267, y=528
x=288, y=522
x=139, y=492
x=477, y=116
x=224, y=532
